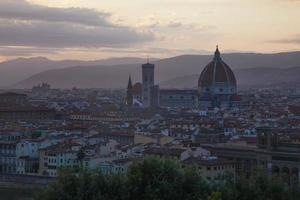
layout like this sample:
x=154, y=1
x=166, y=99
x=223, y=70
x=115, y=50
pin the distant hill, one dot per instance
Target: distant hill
x=19, y=69
x=250, y=69
x=246, y=78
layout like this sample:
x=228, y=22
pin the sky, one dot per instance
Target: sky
x=97, y=29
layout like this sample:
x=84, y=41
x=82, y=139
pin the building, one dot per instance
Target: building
x=273, y=152
x=178, y=98
x=217, y=84
x=41, y=88
x=217, y=87
x=52, y=158
x=8, y=143
x=137, y=92
x=27, y=114
x=15, y=107
x=122, y=137
x=213, y=169
x=149, y=90
x=129, y=98
x=27, y=157
x=165, y=152
x=10, y=99
x=148, y=83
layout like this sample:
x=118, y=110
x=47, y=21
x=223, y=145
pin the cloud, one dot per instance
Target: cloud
x=21, y=9
x=25, y=24
x=41, y=34
x=155, y=50
x=25, y=51
x=293, y=40
x=174, y=24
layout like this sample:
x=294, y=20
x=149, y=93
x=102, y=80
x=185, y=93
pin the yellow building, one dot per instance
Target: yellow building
x=213, y=169
x=153, y=138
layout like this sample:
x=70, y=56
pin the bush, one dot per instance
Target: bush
x=163, y=179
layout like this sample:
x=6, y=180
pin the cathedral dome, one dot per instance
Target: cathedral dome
x=217, y=77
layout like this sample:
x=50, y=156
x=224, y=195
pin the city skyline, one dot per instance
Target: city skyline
x=94, y=30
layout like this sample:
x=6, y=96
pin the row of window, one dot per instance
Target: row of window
x=218, y=177
x=220, y=89
x=220, y=167
x=146, y=78
x=8, y=160
x=181, y=97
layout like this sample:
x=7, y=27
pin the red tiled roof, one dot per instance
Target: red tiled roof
x=137, y=89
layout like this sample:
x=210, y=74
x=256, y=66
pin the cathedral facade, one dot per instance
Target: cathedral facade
x=217, y=88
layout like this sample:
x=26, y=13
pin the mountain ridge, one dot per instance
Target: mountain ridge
x=92, y=74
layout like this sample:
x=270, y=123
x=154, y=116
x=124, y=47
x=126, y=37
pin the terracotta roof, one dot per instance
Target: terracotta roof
x=163, y=151
x=235, y=98
x=217, y=71
x=137, y=89
x=25, y=109
x=13, y=94
x=295, y=110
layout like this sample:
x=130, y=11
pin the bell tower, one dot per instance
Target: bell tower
x=129, y=98
x=148, y=83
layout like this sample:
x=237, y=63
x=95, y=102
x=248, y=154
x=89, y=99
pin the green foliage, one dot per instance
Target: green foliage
x=15, y=193
x=160, y=179
x=260, y=187
x=36, y=134
x=215, y=196
x=164, y=179
x=80, y=155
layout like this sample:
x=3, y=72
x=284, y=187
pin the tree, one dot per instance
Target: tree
x=80, y=156
x=163, y=179
x=215, y=196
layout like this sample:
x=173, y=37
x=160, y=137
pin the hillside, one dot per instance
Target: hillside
x=246, y=78
x=250, y=69
x=19, y=69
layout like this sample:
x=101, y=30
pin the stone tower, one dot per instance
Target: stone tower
x=129, y=98
x=148, y=83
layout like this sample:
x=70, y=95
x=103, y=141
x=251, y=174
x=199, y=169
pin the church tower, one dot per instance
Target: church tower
x=129, y=98
x=148, y=83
